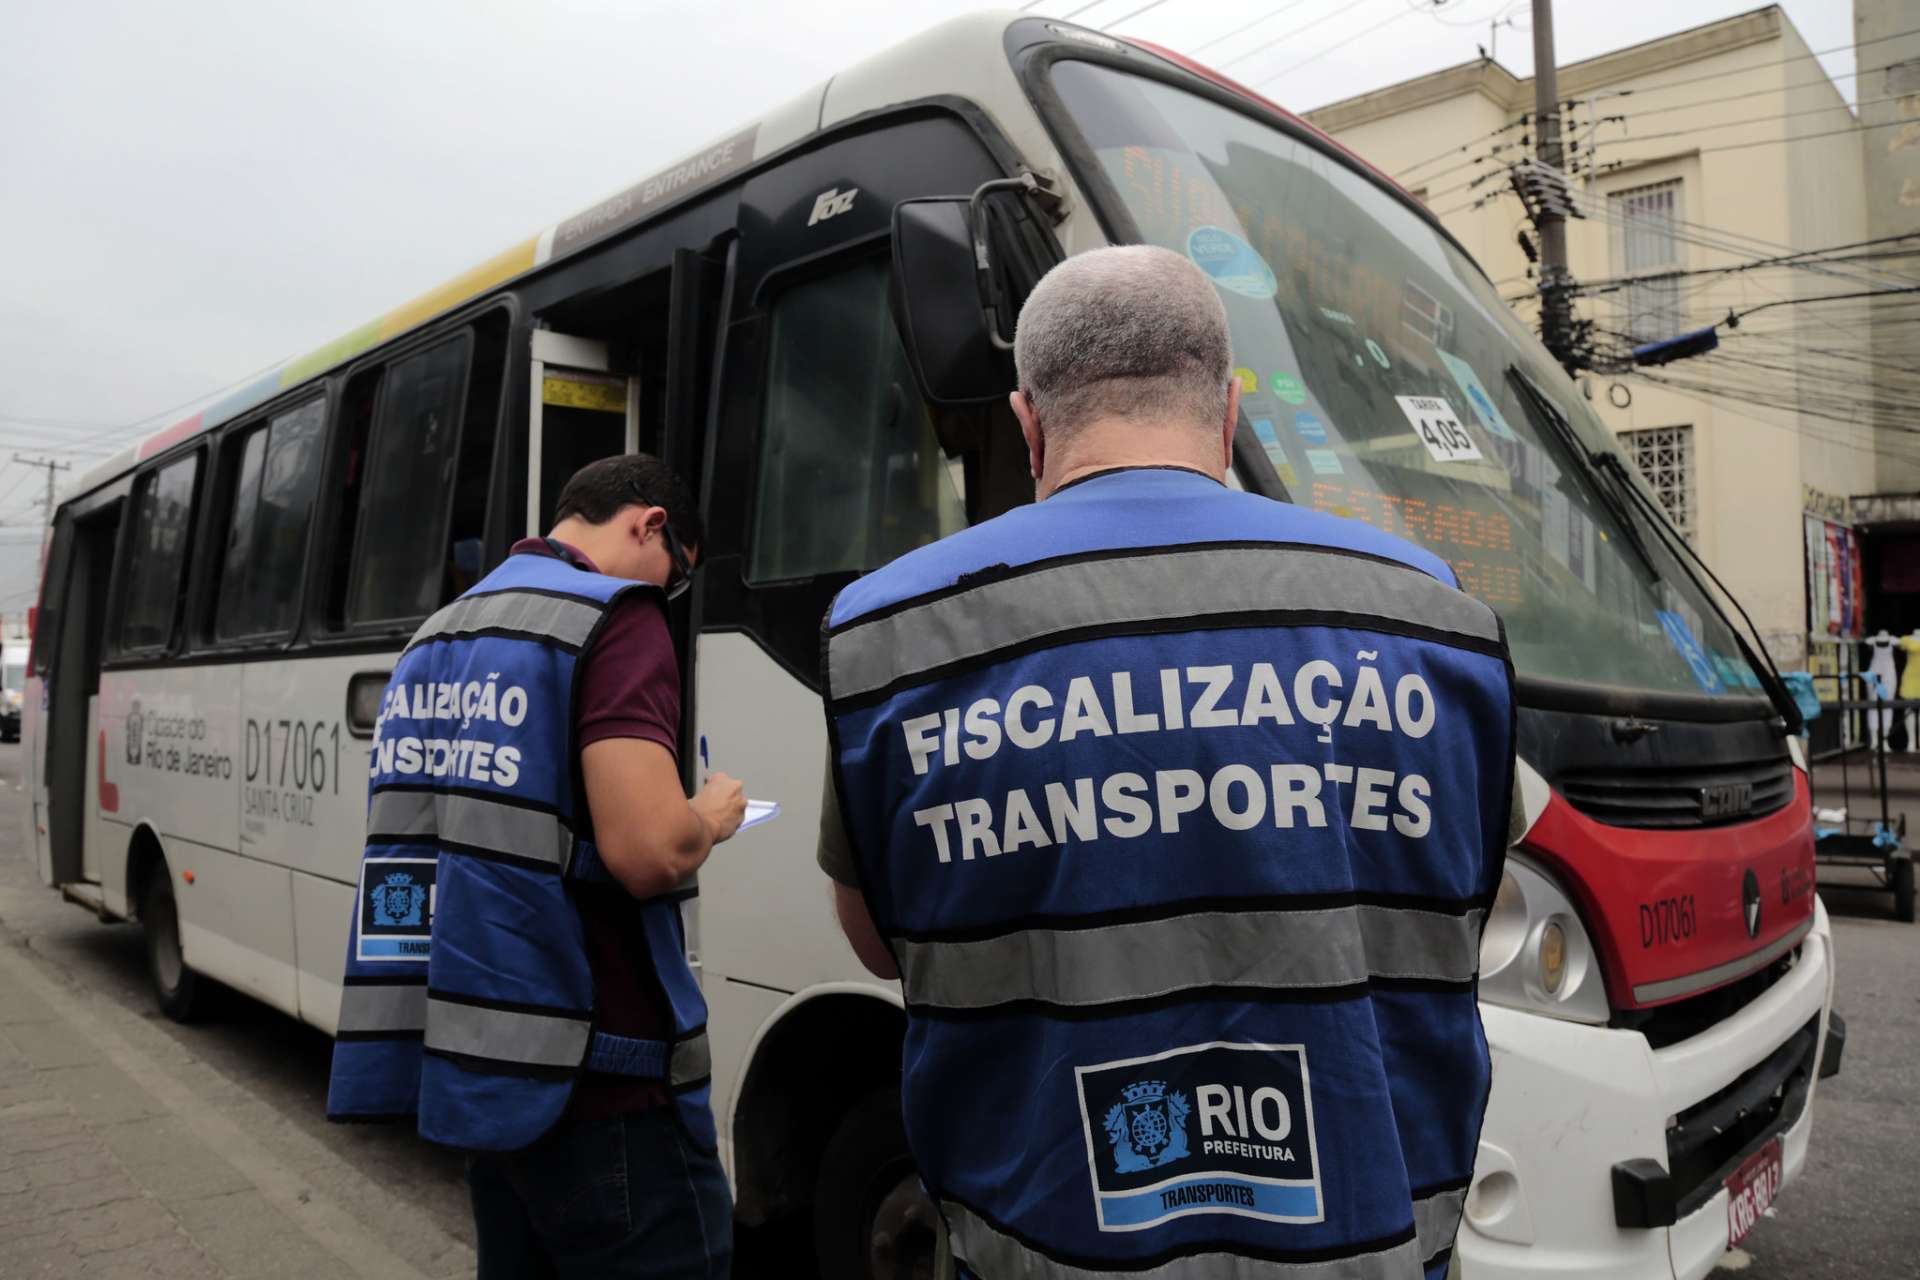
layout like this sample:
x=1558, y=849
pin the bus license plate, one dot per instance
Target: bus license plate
x=1750, y=1191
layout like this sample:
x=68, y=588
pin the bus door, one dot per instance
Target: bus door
x=76, y=618
x=580, y=410
x=695, y=304
x=825, y=463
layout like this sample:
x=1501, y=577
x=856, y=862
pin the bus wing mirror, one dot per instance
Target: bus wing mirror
x=943, y=321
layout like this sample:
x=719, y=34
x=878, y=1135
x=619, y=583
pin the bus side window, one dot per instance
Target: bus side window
x=53, y=582
x=278, y=468
x=151, y=599
x=851, y=475
x=416, y=462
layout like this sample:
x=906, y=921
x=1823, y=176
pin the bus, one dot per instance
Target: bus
x=808, y=318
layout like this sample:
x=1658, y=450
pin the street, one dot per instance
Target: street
x=133, y=1146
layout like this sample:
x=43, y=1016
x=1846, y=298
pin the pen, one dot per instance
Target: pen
x=706, y=765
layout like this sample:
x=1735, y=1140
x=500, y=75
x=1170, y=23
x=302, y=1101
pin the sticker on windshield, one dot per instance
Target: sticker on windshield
x=1249, y=380
x=1269, y=437
x=1311, y=429
x=1680, y=635
x=1232, y=262
x=1325, y=462
x=1289, y=388
x=1475, y=391
x=1439, y=428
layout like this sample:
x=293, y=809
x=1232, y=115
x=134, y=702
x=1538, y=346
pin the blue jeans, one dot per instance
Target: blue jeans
x=627, y=1197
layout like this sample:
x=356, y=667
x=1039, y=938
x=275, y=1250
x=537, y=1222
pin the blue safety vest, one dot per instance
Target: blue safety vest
x=1181, y=811
x=468, y=997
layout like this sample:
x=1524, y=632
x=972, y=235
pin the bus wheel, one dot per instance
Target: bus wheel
x=1900, y=871
x=175, y=986
x=872, y=1220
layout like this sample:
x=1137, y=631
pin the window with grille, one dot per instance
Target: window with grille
x=1665, y=458
x=1648, y=254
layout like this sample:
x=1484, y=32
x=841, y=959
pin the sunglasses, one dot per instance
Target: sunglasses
x=682, y=576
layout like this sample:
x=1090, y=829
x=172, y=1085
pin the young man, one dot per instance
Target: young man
x=1177, y=812
x=516, y=972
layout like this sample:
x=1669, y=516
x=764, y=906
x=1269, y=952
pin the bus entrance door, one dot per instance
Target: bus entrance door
x=580, y=411
x=76, y=745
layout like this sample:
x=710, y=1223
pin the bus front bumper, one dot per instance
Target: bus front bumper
x=1572, y=1102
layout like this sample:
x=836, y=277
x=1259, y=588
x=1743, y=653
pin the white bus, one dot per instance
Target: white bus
x=795, y=318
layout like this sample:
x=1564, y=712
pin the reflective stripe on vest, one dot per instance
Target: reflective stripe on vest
x=554, y=619
x=1436, y=1220
x=512, y=832
x=383, y=1008
x=507, y=1035
x=992, y=1253
x=1331, y=947
x=513, y=1036
x=1223, y=586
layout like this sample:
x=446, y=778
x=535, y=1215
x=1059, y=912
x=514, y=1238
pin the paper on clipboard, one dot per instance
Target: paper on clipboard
x=759, y=811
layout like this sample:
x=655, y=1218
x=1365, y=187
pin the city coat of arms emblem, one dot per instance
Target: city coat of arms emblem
x=1147, y=1128
x=397, y=900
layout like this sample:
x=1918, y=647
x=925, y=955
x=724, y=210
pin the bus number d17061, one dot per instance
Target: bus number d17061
x=1666, y=920
x=301, y=754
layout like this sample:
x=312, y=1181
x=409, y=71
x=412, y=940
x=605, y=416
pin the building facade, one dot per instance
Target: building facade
x=1714, y=172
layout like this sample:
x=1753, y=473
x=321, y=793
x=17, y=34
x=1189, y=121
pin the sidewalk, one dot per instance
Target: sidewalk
x=122, y=1155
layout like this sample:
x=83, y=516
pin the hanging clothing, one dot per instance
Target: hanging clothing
x=1880, y=666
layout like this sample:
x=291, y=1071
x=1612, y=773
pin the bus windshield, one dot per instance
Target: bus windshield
x=1377, y=368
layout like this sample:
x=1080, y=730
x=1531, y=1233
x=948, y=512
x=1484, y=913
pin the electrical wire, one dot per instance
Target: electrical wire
x=1385, y=22
x=1493, y=133
x=120, y=436
x=1155, y=4
x=1854, y=126
x=1340, y=8
x=1738, y=97
x=1069, y=17
x=1741, y=71
x=1246, y=26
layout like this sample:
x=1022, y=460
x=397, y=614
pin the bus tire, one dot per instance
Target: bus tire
x=1900, y=872
x=177, y=988
x=872, y=1220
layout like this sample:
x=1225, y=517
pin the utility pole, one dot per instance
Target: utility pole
x=52, y=467
x=1556, y=303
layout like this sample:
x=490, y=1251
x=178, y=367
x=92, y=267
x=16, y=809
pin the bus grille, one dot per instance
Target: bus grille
x=1678, y=798
x=1707, y=1141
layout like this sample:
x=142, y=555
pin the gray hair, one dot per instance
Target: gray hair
x=1134, y=332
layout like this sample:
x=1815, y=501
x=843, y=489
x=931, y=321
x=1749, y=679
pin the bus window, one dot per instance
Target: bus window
x=400, y=554
x=851, y=475
x=46, y=626
x=278, y=470
x=156, y=554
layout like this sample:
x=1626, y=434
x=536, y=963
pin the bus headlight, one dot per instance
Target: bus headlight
x=1535, y=954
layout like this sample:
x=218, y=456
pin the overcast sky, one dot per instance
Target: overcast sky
x=193, y=190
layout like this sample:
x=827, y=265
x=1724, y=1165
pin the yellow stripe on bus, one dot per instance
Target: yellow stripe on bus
x=502, y=266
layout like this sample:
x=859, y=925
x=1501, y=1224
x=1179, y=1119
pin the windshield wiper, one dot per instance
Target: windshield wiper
x=1545, y=413
x=1613, y=473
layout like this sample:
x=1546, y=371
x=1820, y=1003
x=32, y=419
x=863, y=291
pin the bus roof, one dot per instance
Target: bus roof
x=967, y=50
x=961, y=45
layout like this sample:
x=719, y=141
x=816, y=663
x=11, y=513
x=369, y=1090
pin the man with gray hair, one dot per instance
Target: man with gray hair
x=1177, y=812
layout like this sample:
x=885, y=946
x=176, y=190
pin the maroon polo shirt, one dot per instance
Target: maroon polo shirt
x=628, y=686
